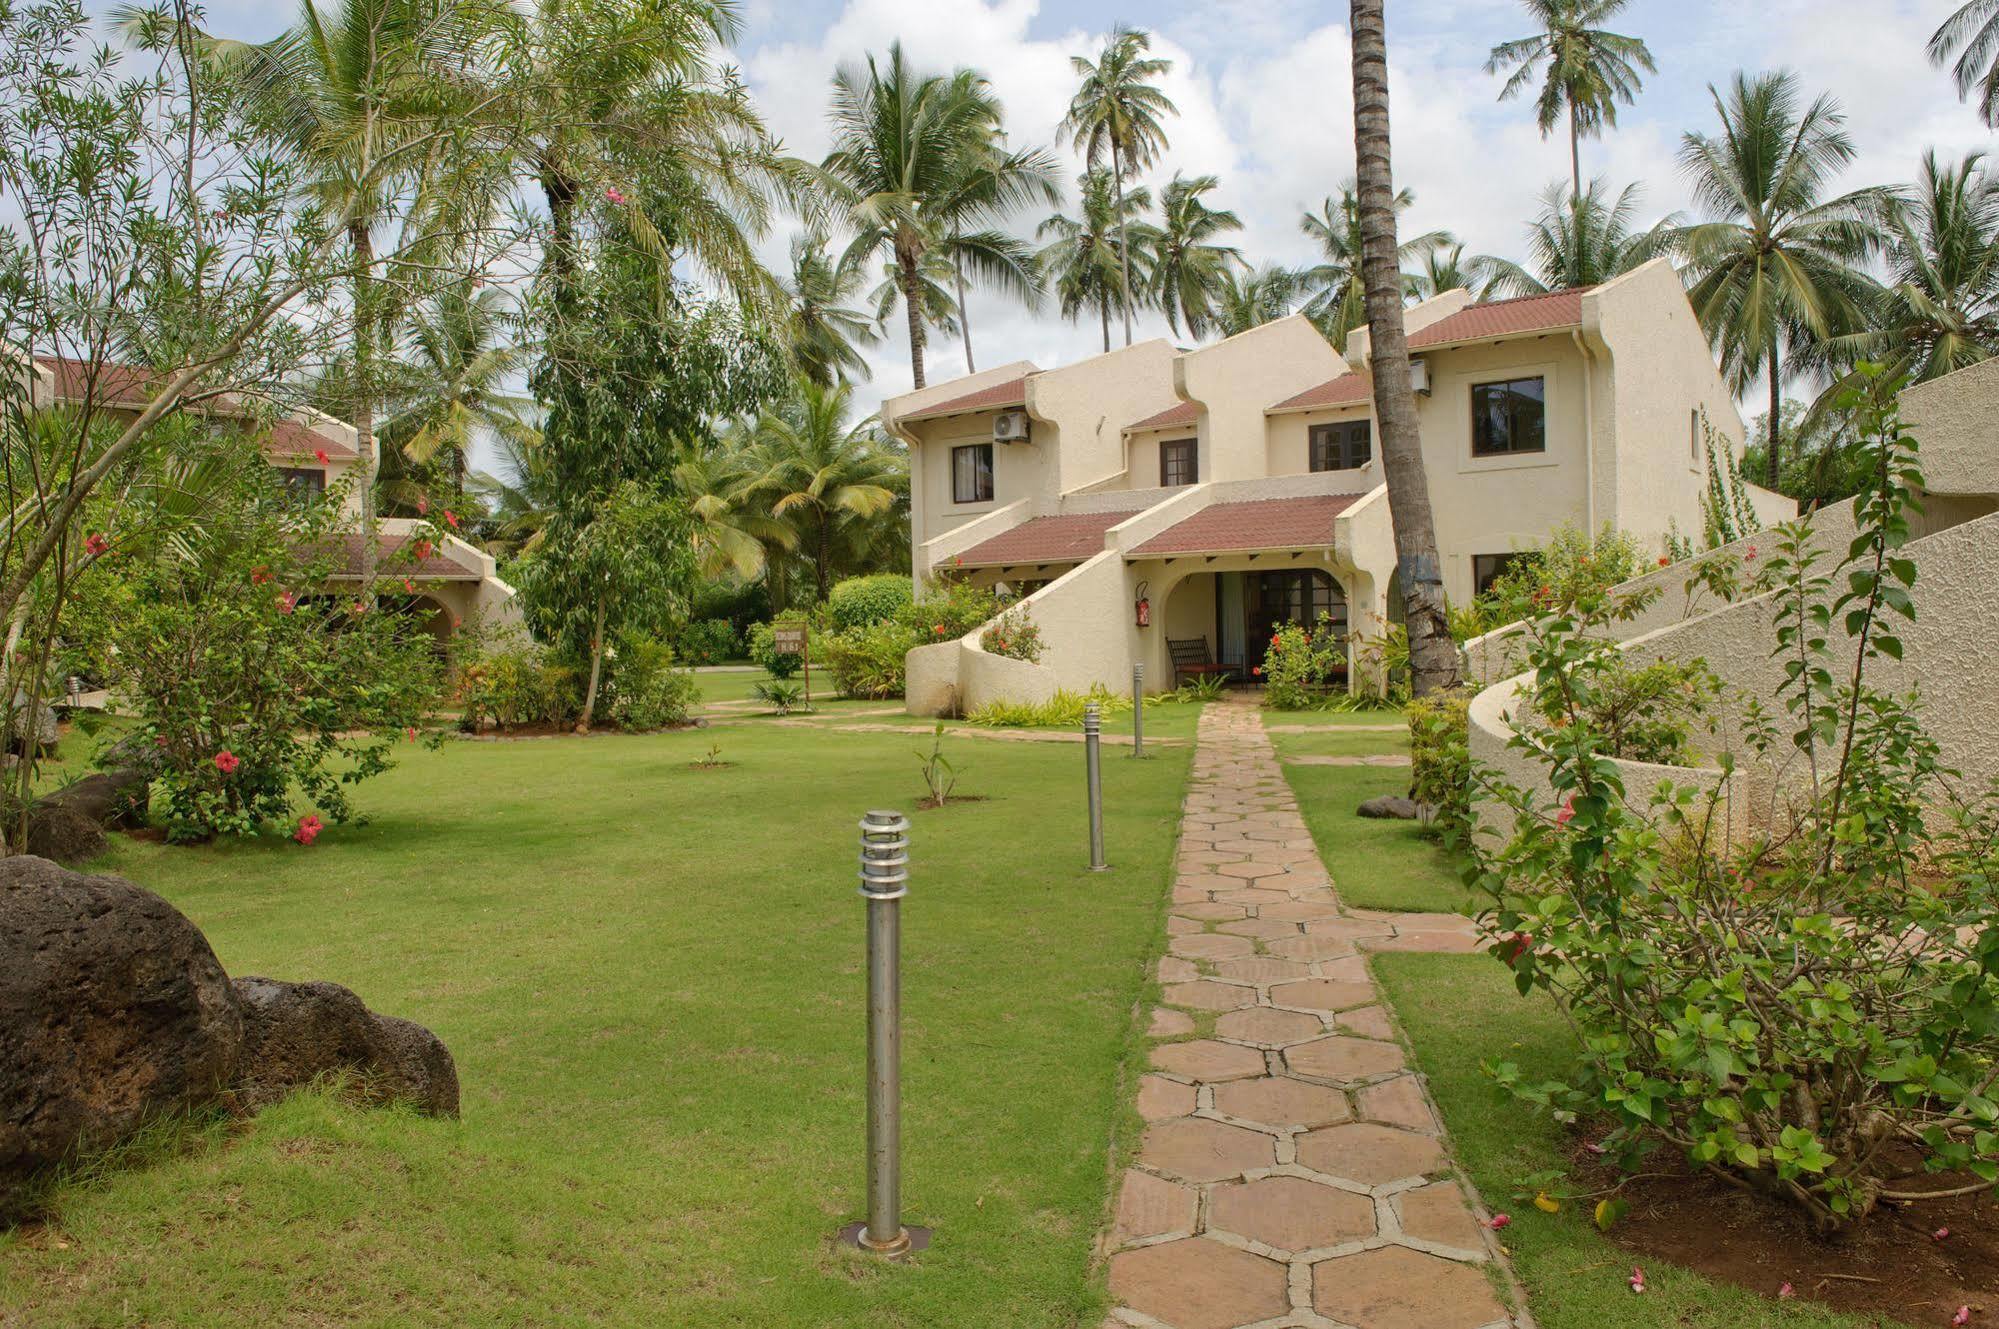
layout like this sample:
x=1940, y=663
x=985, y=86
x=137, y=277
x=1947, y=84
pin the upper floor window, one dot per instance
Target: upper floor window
x=1509, y=417
x=305, y=483
x=972, y=473
x=1347, y=446
x=1179, y=462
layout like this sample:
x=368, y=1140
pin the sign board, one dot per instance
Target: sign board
x=788, y=638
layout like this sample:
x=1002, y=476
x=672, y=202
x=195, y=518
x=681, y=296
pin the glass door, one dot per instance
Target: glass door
x=1293, y=596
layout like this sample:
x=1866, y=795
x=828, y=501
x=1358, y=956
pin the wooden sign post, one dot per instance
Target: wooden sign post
x=795, y=639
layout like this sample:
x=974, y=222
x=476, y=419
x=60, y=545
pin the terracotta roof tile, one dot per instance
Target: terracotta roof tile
x=1267, y=523
x=121, y=385
x=1012, y=392
x=1504, y=318
x=1070, y=538
x=1179, y=413
x=1346, y=390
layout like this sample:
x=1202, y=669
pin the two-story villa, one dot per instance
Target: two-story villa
x=1162, y=506
x=453, y=583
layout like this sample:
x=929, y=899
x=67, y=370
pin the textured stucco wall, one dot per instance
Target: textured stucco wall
x=1088, y=404
x=1287, y=440
x=1238, y=378
x=1955, y=419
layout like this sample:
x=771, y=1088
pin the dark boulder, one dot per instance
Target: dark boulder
x=297, y=1033
x=112, y=798
x=60, y=833
x=1393, y=807
x=113, y=1009
x=32, y=722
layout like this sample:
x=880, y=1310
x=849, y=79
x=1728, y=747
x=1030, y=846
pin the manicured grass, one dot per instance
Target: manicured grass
x=1459, y=1010
x=1331, y=719
x=1374, y=864
x=651, y=977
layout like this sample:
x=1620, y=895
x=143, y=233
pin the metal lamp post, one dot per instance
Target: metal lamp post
x=1093, y=761
x=1137, y=711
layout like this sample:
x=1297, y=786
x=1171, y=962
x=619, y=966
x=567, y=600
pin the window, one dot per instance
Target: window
x=1342, y=447
x=1509, y=417
x=303, y=482
x=972, y=473
x=1489, y=568
x=1179, y=461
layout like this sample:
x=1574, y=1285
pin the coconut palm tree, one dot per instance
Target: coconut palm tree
x=1581, y=241
x=822, y=474
x=1776, y=268
x=995, y=184
x=1586, y=70
x=1118, y=113
x=1084, y=257
x=1971, y=33
x=822, y=329
x=914, y=158
x=936, y=302
x=1337, y=302
x=1939, y=307
x=1186, y=263
x=519, y=497
x=1448, y=268
x=735, y=532
x=1250, y=297
x=1433, y=655
x=449, y=387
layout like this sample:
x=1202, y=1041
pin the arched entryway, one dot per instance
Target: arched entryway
x=1287, y=595
x=1234, y=612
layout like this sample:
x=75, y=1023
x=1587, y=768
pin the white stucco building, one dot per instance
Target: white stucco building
x=1234, y=487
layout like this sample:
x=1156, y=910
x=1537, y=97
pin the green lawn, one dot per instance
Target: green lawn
x=651, y=978
x=1374, y=864
x=1461, y=1009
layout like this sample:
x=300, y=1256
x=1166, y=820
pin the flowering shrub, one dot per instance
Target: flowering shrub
x=1785, y=1003
x=1301, y=662
x=518, y=686
x=869, y=661
x=1014, y=635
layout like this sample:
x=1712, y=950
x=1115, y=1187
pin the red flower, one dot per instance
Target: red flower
x=1257, y=670
x=408, y=585
x=1786, y=1292
x=1498, y=1221
x=308, y=830
x=227, y=762
x=159, y=740
x=1963, y=1315
x=1568, y=812
x=97, y=544
x=452, y=518
x=1940, y=1234
x=1664, y=561
x=1516, y=946
x=287, y=601
x=259, y=575
x=360, y=607
x=319, y=455
x=456, y=622
x=412, y=733
x=1637, y=1279
x=613, y=195
x=937, y=631
x=422, y=506
x=423, y=548
x=1749, y=554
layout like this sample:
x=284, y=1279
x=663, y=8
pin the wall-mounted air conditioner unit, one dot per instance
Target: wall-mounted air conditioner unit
x=1419, y=376
x=1010, y=427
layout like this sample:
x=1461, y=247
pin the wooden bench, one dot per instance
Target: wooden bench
x=1191, y=656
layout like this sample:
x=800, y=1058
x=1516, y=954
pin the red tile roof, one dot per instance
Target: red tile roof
x=398, y=559
x=121, y=385
x=1179, y=413
x=1267, y=523
x=1504, y=318
x=1065, y=539
x=1013, y=392
x=1346, y=390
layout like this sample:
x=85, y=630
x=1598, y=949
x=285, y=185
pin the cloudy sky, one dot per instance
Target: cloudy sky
x=1264, y=99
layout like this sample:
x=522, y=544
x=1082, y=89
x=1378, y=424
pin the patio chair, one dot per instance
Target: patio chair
x=1191, y=657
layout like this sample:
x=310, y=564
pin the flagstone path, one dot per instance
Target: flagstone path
x=1293, y=1170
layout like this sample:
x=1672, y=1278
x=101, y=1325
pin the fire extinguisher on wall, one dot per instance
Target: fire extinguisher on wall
x=1143, y=606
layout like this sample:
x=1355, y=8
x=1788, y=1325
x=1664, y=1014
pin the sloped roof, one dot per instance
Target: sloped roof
x=1346, y=390
x=1504, y=318
x=1266, y=523
x=1069, y=538
x=1012, y=392
x=397, y=558
x=123, y=386
x=1179, y=413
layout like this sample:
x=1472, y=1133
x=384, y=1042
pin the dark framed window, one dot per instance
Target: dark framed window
x=305, y=483
x=1489, y=568
x=972, y=473
x=1179, y=461
x=1293, y=595
x=1346, y=446
x=1509, y=418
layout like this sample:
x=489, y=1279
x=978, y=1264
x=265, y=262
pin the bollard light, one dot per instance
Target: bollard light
x=1093, y=763
x=1137, y=711
x=884, y=881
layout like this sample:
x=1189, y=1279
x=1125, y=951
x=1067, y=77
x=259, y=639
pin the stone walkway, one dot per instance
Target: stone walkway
x=1293, y=1170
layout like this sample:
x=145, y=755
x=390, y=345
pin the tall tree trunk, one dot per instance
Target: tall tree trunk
x=1771, y=469
x=905, y=266
x=1433, y=655
x=363, y=245
x=774, y=580
x=1123, y=243
x=596, y=670
x=822, y=559
x=1575, y=159
x=964, y=311
x=1104, y=313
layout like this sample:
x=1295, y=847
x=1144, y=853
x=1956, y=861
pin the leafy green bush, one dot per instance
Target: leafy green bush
x=1063, y=710
x=949, y=612
x=517, y=686
x=867, y=662
x=860, y=602
x=1440, y=755
x=1646, y=713
x=1779, y=999
x=1014, y=635
x=647, y=691
x=708, y=641
x=765, y=655
x=1301, y=663
x=1560, y=573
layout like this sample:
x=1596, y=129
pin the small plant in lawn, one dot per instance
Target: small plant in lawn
x=711, y=760
x=1803, y=1005
x=939, y=775
x=780, y=694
